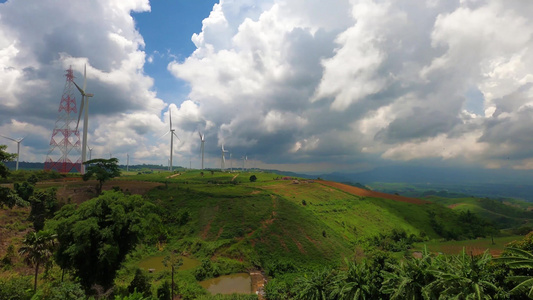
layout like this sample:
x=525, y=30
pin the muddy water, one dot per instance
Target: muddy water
x=156, y=263
x=240, y=283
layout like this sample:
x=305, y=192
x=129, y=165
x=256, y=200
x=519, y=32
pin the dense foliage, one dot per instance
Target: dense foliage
x=102, y=169
x=95, y=238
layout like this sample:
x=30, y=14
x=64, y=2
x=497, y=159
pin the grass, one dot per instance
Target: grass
x=475, y=247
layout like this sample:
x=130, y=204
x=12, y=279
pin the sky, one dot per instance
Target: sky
x=299, y=85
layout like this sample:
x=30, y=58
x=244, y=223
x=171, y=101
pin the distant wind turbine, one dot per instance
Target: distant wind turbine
x=202, y=139
x=223, y=160
x=172, y=134
x=18, y=147
x=230, y=163
x=90, y=152
x=84, y=102
x=244, y=159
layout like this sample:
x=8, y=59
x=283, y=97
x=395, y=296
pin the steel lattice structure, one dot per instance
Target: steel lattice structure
x=65, y=141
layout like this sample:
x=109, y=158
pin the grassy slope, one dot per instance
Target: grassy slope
x=502, y=214
x=267, y=220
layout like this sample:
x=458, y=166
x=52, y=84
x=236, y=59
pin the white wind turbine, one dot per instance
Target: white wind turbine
x=84, y=102
x=172, y=134
x=223, y=160
x=244, y=159
x=202, y=139
x=18, y=147
x=90, y=152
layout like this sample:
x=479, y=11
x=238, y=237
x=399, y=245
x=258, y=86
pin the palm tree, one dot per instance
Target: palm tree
x=314, y=287
x=354, y=283
x=464, y=276
x=519, y=259
x=37, y=250
x=407, y=279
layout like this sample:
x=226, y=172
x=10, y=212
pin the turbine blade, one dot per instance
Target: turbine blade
x=79, y=89
x=164, y=135
x=81, y=110
x=23, y=138
x=170, y=116
x=9, y=138
x=84, y=78
x=200, y=134
x=176, y=136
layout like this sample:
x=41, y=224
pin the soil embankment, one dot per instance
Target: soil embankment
x=366, y=193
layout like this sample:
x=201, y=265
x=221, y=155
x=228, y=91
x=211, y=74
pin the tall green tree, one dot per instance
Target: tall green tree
x=102, y=169
x=37, y=249
x=95, y=238
x=5, y=157
x=174, y=261
x=43, y=206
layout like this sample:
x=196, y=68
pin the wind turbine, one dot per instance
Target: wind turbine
x=202, y=139
x=172, y=134
x=223, y=160
x=84, y=102
x=244, y=159
x=230, y=163
x=18, y=147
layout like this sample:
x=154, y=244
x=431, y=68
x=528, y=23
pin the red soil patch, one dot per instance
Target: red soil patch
x=366, y=193
x=452, y=206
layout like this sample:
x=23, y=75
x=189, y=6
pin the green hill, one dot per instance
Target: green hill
x=306, y=222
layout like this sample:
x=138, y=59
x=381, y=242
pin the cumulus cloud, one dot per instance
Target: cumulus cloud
x=386, y=78
x=39, y=42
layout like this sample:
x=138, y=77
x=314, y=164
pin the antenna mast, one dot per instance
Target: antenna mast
x=65, y=140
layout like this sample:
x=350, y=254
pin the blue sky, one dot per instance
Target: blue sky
x=301, y=85
x=167, y=31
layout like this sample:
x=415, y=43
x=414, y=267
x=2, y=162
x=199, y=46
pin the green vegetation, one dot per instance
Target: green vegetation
x=313, y=240
x=102, y=169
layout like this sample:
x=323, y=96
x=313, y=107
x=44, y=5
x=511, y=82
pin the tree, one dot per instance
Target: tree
x=253, y=178
x=43, y=206
x=37, y=250
x=95, y=238
x=464, y=276
x=9, y=198
x=102, y=169
x=314, y=287
x=354, y=283
x=407, y=279
x=175, y=262
x=519, y=259
x=140, y=283
x=5, y=157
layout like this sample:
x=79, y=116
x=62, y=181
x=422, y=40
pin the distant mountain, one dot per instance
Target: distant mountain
x=414, y=174
x=475, y=182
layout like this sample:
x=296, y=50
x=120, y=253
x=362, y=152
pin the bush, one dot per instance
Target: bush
x=16, y=288
x=163, y=292
x=59, y=291
x=253, y=178
x=140, y=283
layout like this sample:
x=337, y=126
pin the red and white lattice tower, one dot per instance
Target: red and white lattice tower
x=65, y=141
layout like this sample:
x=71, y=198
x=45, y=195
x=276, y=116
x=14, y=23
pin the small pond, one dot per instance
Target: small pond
x=156, y=262
x=240, y=283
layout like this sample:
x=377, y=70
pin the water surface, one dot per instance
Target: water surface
x=240, y=283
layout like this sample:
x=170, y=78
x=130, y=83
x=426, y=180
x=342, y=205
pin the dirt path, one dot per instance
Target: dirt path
x=234, y=176
x=172, y=176
x=366, y=193
x=258, y=283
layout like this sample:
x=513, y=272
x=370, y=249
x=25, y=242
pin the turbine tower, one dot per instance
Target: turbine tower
x=223, y=160
x=18, y=148
x=84, y=102
x=90, y=152
x=202, y=139
x=172, y=134
x=244, y=159
x=64, y=138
